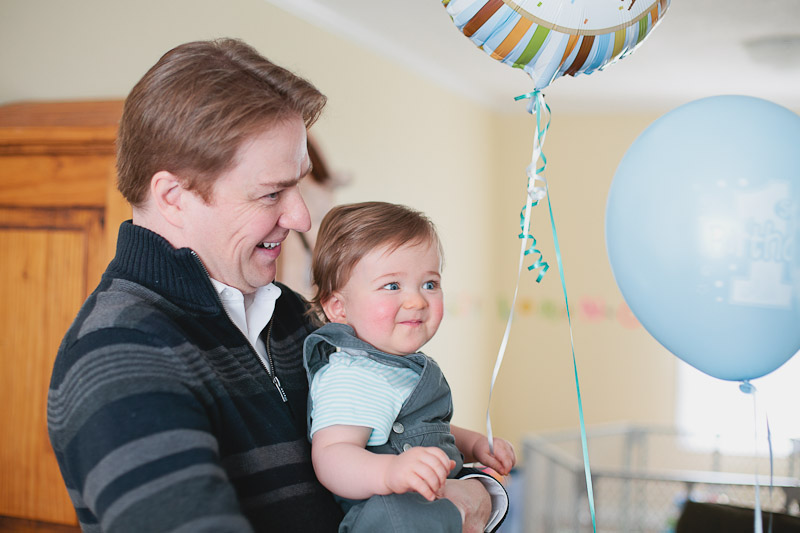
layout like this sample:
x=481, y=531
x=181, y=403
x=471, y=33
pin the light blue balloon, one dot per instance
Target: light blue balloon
x=702, y=228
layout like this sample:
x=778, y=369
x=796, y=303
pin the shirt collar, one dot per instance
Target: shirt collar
x=252, y=312
x=226, y=292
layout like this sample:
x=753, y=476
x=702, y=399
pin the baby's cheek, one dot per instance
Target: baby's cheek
x=383, y=314
x=436, y=311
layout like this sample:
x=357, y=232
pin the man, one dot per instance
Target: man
x=178, y=396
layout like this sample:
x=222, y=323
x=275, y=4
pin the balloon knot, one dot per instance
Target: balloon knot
x=747, y=387
x=531, y=94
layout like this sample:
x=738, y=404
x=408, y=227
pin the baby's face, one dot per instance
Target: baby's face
x=394, y=299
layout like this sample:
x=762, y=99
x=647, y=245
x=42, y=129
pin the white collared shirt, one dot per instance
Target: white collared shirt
x=250, y=312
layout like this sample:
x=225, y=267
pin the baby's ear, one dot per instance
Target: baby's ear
x=334, y=309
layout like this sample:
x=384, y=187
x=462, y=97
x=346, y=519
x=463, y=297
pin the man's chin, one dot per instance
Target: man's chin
x=264, y=278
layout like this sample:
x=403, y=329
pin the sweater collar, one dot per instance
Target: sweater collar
x=177, y=274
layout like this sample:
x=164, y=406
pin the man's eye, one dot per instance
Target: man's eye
x=392, y=286
x=271, y=196
x=430, y=285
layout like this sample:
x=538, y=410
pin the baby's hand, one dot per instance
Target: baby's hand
x=420, y=469
x=502, y=460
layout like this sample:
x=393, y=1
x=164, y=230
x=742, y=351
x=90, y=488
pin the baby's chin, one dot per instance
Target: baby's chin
x=398, y=352
x=400, y=347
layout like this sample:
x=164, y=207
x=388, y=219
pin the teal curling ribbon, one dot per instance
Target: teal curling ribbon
x=587, y=470
x=758, y=527
x=536, y=107
x=538, y=263
x=535, y=193
x=771, y=473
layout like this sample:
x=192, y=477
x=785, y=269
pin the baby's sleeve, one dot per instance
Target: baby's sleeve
x=347, y=393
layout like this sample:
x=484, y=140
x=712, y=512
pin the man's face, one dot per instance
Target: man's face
x=238, y=233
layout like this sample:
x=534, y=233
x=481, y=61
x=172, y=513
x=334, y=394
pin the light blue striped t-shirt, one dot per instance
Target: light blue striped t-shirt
x=357, y=391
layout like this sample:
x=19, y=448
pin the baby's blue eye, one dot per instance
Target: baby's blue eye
x=392, y=286
x=429, y=285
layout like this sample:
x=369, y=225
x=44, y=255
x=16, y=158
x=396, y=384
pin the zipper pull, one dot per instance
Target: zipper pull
x=277, y=383
x=271, y=372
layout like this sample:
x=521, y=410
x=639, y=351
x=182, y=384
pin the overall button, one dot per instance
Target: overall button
x=407, y=447
x=397, y=427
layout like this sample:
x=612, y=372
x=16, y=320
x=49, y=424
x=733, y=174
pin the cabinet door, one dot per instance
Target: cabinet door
x=59, y=214
x=43, y=281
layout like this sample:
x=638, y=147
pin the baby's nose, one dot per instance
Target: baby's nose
x=414, y=300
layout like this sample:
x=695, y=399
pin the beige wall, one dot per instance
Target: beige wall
x=404, y=139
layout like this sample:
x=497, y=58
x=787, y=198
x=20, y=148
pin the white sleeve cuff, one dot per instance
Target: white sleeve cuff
x=498, y=496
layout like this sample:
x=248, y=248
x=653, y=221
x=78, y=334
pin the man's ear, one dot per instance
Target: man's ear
x=168, y=195
x=334, y=309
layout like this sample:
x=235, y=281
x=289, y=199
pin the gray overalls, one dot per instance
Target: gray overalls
x=424, y=420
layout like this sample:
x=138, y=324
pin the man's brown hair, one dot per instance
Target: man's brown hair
x=350, y=231
x=195, y=107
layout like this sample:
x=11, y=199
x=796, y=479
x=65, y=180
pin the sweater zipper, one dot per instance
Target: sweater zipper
x=271, y=374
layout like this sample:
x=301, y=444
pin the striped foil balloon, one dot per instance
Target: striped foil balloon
x=551, y=38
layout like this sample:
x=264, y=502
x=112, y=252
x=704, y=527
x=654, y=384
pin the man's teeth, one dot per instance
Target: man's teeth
x=269, y=245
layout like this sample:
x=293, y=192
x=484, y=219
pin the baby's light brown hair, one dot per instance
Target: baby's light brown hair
x=350, y=231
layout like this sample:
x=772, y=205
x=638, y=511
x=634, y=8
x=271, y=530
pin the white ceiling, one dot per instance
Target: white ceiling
x=697, y=50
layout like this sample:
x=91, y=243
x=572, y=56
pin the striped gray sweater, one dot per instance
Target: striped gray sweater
x=161, y=416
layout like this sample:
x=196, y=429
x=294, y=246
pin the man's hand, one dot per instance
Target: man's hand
x=472, y=501
x=420, y=469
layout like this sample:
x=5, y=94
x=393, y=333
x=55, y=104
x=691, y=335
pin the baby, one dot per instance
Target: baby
x=380, y=410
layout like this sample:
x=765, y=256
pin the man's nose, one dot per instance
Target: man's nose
x=295, y=214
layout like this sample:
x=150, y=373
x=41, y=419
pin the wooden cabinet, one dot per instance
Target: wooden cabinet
x=59, y=215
